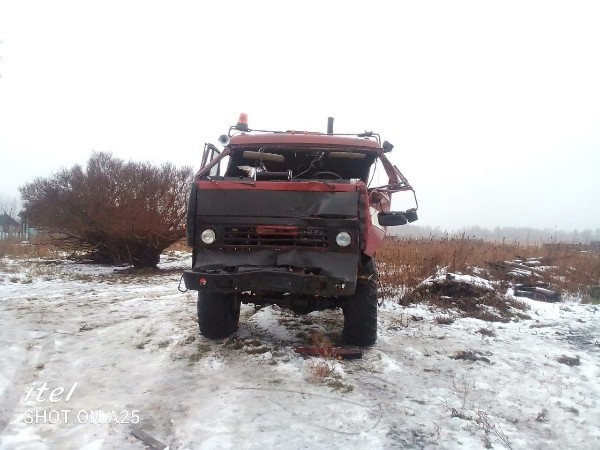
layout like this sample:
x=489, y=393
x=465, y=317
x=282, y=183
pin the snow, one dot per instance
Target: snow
x=460, y=278
x=131, y=343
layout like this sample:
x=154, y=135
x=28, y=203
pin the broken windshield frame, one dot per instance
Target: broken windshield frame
x=304, y=162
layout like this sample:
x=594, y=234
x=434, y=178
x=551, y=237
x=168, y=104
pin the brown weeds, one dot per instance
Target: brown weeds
x=404, y=263
x=179, y=246
x=35, y=248
x=321, y=369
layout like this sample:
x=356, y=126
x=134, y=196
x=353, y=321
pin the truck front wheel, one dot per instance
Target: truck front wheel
x=360, y=315
x=218, y=314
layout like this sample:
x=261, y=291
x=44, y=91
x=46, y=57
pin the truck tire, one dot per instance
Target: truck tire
x=218, y=314
x=360, y=315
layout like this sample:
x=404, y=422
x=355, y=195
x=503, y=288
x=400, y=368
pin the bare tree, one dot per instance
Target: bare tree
x=9, y=205
x=122, y=212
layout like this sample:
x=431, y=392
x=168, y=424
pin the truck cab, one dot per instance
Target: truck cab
x=288, y=218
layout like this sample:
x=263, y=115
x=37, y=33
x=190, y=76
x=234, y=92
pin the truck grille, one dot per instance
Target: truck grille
x=276, y=236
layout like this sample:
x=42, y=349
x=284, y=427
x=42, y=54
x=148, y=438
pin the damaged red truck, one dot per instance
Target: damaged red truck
x=288, y=218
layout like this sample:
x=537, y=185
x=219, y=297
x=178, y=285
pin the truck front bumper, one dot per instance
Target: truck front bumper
x=268, y=280
x=324, y=274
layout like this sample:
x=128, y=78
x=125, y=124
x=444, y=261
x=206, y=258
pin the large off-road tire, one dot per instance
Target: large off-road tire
x=360, y=315
x=218, y=314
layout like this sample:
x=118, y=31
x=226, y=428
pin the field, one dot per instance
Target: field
x=438, y=377
x=576, y=267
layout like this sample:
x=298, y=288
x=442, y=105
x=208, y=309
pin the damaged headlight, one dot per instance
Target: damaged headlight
x=343, y=239
x=208, y=236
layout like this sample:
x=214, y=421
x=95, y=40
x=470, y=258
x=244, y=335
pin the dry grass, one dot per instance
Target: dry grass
x=404, y=263
x=179, y=246
x=47, y=248
x=489, y=332
x=592, y=295
x=35, y=248
x=321, y=369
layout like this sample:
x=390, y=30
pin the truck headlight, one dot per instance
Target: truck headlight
x=208, y=236
x=343, y=239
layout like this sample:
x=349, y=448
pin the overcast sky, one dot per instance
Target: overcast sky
x=493, y=107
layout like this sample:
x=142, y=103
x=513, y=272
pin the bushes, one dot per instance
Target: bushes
x=120, y=212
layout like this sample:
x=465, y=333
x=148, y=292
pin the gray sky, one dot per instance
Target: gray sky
x=493, y=107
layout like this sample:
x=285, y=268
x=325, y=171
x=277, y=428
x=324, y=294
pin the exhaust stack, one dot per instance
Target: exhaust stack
x=330, y=125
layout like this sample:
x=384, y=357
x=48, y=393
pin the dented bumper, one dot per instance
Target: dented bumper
x=269, y=271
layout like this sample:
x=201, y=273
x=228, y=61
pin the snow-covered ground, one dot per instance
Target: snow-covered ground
x=131, y=344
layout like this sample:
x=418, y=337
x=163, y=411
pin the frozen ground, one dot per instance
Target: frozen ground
x=131, y=344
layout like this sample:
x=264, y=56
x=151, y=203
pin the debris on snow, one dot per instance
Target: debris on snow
x=538, y=291
x=469, y=356
x=330, y=352
x=148, y=440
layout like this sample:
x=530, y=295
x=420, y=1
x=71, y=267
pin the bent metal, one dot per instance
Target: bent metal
x=289, y=218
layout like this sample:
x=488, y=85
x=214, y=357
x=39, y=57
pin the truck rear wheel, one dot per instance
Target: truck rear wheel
x=360, y=315
x=218, y=314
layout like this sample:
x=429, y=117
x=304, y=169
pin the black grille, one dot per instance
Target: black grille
x=274, y=236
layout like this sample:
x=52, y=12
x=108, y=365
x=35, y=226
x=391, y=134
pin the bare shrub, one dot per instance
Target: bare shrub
x=9, y=205
x=120, y=212
x=463, y=387
x=489, y=427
